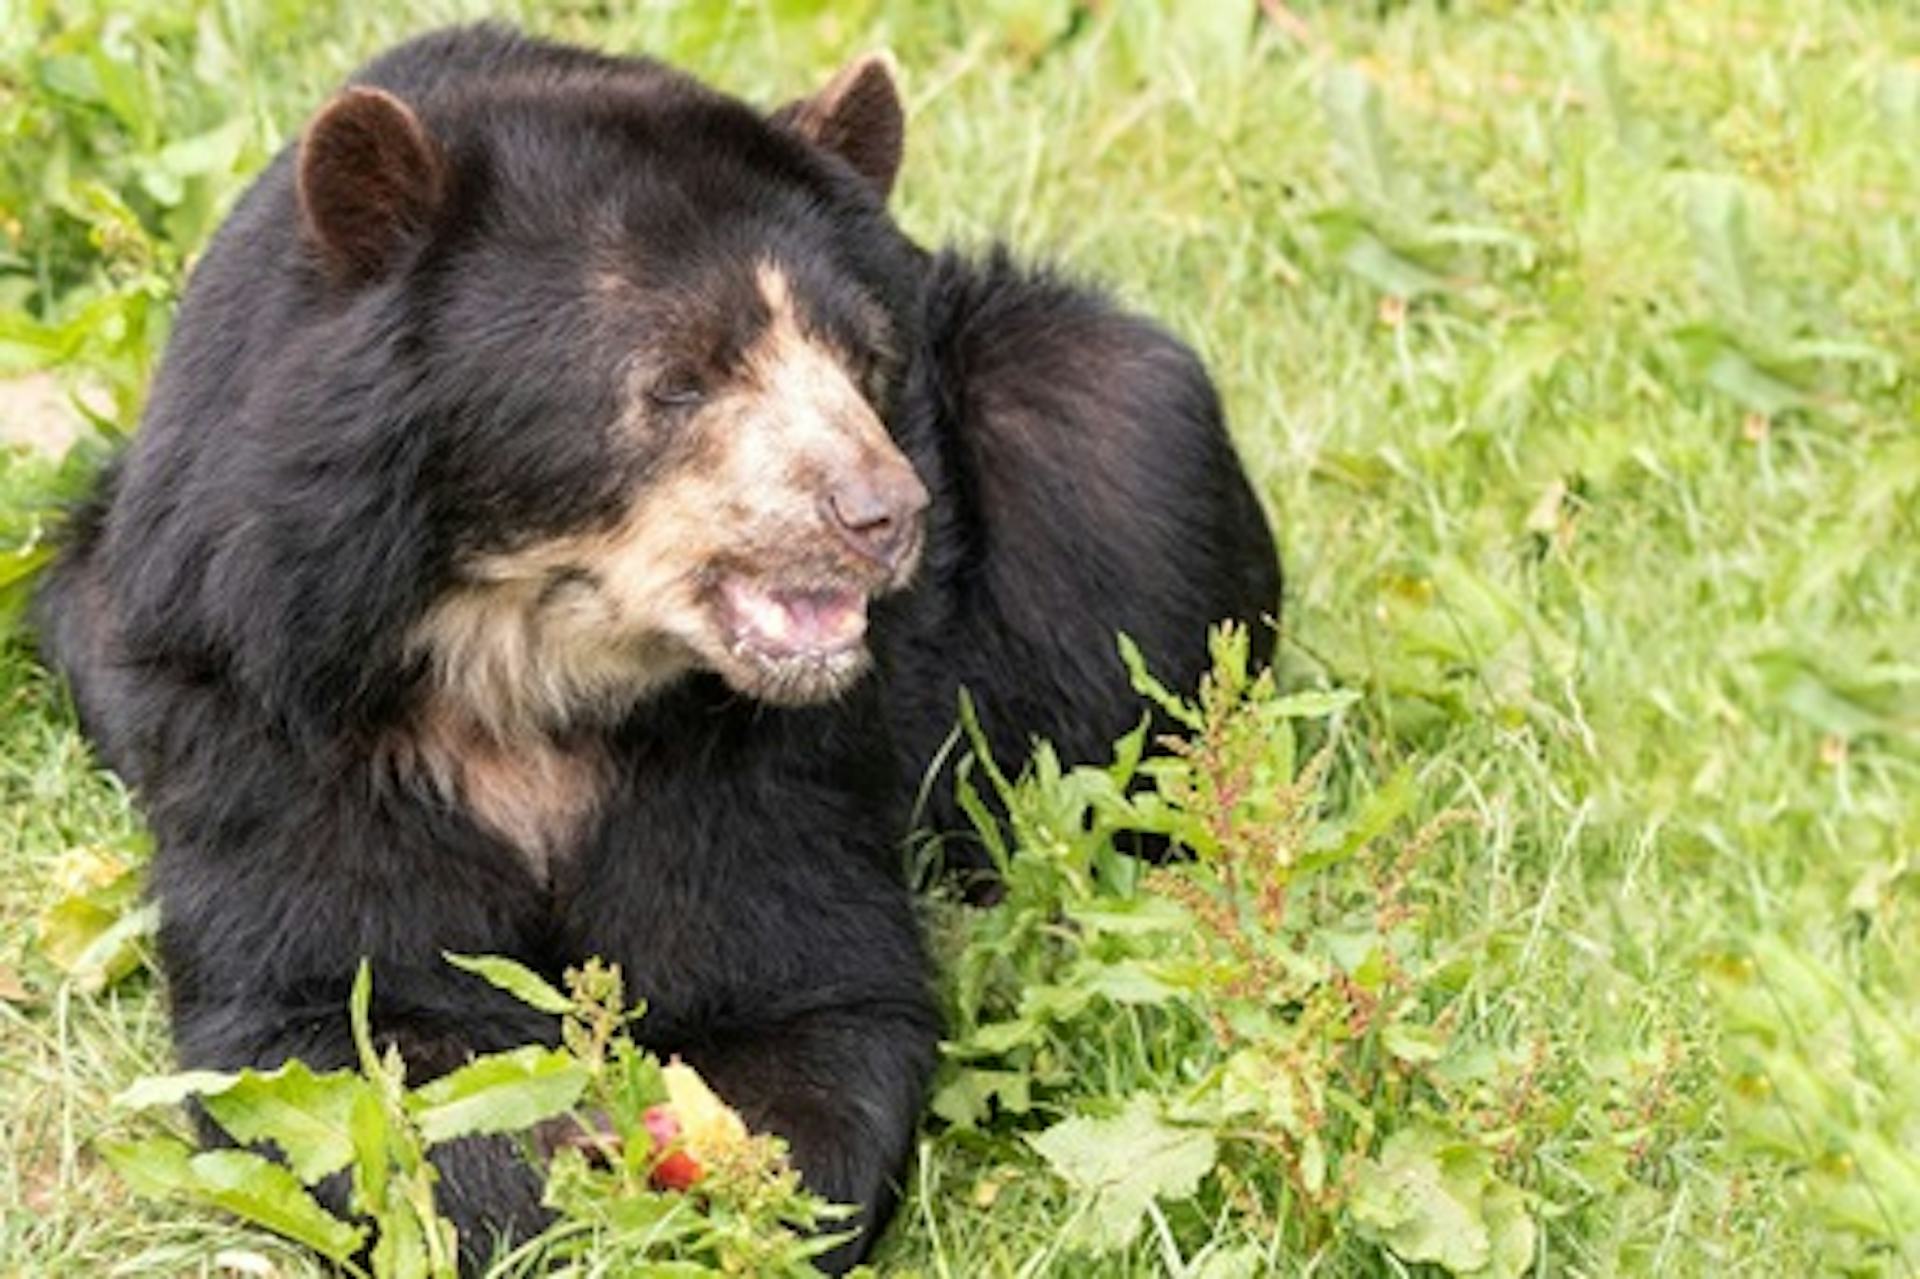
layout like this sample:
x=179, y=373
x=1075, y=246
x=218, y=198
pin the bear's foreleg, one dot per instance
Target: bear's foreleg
x=844, y=1088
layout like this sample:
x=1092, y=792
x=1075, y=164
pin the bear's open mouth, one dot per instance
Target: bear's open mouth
x=785, y=623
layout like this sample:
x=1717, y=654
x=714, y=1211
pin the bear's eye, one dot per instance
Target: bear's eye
x=677, y=391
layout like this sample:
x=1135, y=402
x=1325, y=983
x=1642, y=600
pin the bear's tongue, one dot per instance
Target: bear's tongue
x=788, y=623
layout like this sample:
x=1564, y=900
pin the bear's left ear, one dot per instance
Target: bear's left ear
x=858, y=117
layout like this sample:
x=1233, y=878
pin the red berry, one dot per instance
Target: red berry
x=673, y=1168
x=678, y=1171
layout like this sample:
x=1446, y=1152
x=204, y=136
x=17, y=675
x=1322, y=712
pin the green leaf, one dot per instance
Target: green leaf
x=215, y=151
x=18, y=567
x=1313, y=1163
x=1139, y=916
x=1389, y=270
x=71, y=76
x=1513, y=1233
x=245, y=1184
x=367, y=1128
x=94, y=942
x=1152, y=689
x=1596, y=61
x=1353, y=949
x=966, y=1099
x=1413, y=1043
x=982, y=750
x=1380, y=810
x=27, y=345
x=1717, y=216
x=998, y=1037
x=154, y=1167
x=170, y=1090
x=360, y=1019
x=1242, y=1261
x=401, y=1250
x=985, y=823
x=1049, y=1002
x=1406, y=1202
x=1314, y=704
x=264, y=1192
x=504, y=1092
x=1717, y=359
x=516, y=979
x=1125, y=981
x=1431, y=1198
x=1252, y=1083
x=980, y=756
x=1124, y=1164
x=1360, y=149
x=21, y=563
x=308, y=1116
x=1127, y=752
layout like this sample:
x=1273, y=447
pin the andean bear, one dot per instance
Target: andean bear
x=563, y=521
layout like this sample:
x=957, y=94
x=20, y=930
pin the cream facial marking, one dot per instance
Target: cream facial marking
x=805, y=436
x=736, y=556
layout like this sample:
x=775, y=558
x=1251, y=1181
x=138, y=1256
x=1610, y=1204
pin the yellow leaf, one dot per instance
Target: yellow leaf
x=710, y=1127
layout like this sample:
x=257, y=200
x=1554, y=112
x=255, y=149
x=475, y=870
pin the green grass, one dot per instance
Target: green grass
x=1583, y=382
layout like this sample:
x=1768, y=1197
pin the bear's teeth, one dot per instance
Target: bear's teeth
x=765, y=615
x=828, y=619
x=796, y=623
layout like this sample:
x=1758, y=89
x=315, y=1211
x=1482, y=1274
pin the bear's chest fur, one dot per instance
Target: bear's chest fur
x=536, y=793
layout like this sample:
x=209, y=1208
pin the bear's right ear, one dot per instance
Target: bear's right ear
x=858, y=117
x=369, y=177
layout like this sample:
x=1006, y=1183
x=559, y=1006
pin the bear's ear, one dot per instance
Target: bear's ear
x=858, y=117
x=369, y=177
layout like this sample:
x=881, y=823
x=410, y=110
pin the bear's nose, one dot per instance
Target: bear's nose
x=876, y=512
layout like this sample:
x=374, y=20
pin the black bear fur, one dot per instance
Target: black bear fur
x=362, y=396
